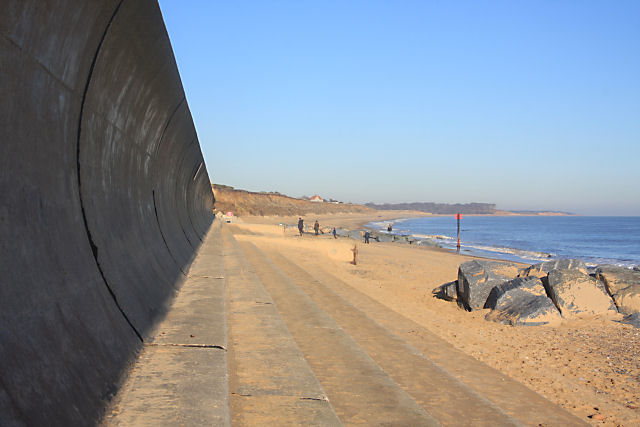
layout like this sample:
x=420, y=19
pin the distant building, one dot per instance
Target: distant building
x=316, y=198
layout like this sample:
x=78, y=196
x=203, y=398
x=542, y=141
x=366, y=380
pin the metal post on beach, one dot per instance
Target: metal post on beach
x=458, y=217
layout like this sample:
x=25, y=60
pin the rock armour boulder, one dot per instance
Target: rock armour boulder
x=628, y=300
x=576, y=294
x=522, y=301
x=632, y=319
x=543, y=268
x=477, y=278
x=623, y=285
x=447, y=291
x=530, y=285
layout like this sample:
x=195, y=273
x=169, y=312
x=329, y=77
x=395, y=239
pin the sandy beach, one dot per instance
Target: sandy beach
x=589, y=366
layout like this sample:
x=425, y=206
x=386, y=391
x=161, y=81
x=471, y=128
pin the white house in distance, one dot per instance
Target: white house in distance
x=316, y=198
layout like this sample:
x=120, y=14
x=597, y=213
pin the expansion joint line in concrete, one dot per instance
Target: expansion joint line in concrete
x=215, y=346
x=155, y=209
x=182, y=155
x=166, y=126
x=317, y=399
x=189, y=210
x=94, y=248
x=164, y=130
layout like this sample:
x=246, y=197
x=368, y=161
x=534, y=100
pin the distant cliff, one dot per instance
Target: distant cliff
x=439, y=208
x=242, y=202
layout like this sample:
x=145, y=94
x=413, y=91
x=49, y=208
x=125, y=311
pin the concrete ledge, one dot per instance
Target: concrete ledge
x=181, y=377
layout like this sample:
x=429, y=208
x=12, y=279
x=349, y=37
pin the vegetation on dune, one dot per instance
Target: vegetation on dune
x=242, y=202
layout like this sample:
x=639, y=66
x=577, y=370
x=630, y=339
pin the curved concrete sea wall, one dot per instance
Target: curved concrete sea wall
x=104, y=199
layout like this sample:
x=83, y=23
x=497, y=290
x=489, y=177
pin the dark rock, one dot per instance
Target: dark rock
x=476, y=279
x=447, y=291
x=632, y=319
x=342, y=232
x=616, y=278
x=525, y=309
x=623, y=285
x=628, y=300
x=576, y=293
x=531, y=285
x=543, y=268
x=521, y=301
x=353, y=234
x=427, y=242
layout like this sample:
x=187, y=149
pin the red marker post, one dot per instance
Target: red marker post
x=458, y=217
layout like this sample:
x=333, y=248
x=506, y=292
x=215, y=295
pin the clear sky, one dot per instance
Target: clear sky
x=526, y=104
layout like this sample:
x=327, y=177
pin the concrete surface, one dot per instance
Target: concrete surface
x=181, y=376
x=359, y=389
x=344, y=334
x=270, y=380
x=288, y=346
x=105, y=199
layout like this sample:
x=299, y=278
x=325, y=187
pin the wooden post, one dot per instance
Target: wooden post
x=355, y=254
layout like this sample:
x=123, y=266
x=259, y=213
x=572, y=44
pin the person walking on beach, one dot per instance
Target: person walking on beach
x=366, y=236
x=316, y=227
x=300, y=225
x=334, y=233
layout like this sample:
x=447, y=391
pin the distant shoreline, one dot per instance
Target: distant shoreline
x=243, y=202
x=497, y=213
x=517, y=244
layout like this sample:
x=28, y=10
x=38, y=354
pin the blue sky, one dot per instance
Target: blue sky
x=526, y=104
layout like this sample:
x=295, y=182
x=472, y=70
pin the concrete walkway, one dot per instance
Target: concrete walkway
x=255, y=339
x=181, y=376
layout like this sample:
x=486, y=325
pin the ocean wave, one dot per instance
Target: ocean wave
x=399, y=220
x=532, y=239
x=380, y=225
x=521, y=253
x=433, y=236
x=594, y=262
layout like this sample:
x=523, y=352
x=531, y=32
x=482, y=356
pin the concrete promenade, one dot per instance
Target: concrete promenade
x=255, y=339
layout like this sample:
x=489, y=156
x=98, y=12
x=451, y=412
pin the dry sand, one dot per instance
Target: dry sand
x=589, y=366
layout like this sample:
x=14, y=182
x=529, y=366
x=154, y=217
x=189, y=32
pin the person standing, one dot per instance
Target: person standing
x=300, y=225
x=366, y=236
x=316, y=227
x=334, y=233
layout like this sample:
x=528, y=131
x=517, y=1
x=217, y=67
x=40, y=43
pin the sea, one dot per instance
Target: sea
x=594, y=239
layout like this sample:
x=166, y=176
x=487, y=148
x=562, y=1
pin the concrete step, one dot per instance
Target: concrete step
x=513, y=398
x=359, y=390
x=181, y=377
x=270, y=380
x=455, y=388
x=253, y=338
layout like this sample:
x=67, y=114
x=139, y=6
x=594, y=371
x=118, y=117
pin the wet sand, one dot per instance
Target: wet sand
x=589, y=366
